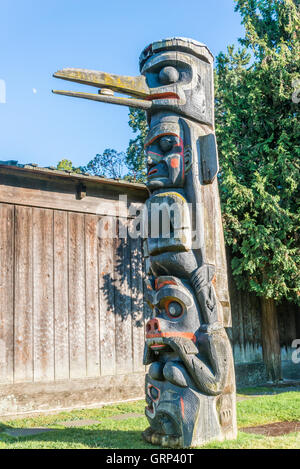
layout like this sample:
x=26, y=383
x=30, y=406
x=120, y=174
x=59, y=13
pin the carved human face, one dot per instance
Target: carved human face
x=169, y=155
x=181, y=83
x=165, y=158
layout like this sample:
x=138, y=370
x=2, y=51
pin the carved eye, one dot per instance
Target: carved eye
x=166, y=143
x=168, y=75
x=154, y=393
x=174, y=309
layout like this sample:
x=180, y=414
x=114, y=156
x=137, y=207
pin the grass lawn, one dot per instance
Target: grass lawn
x=115, y=432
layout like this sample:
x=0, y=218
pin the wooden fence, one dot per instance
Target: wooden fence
x=246, y=336
x=71, y=296
x=72, y=314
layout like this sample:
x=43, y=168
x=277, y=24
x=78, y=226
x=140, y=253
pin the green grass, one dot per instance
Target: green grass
x=110, y=433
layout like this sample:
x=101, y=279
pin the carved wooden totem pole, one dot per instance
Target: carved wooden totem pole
x=190, y=383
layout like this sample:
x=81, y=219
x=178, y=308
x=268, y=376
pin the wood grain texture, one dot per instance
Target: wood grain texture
x=138, y=316
x=92, y=296
x=209, y=210
x=77, y=316
x=122, y=268
x=6, y=293
x=60, y=194
x=61, y=296
x=23, y=330
x=43, y=311
x=107, y=293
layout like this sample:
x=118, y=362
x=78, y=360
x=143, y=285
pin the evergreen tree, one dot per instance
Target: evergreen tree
x=257, y=126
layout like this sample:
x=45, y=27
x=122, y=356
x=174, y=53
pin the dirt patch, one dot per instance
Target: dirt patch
x=79, y=423
x=274, y=429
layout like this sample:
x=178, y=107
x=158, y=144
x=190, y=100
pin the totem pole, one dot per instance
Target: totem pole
x=190, y=383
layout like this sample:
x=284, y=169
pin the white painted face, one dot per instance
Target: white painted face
x=181, y=83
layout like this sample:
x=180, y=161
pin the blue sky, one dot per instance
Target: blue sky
x=39, y=37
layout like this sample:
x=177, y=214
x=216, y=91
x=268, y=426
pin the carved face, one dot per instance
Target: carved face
x=172, y=407
x=168, y=156
x=176, y=317
x=165, y=158
x=171, y=412
x=181, y=83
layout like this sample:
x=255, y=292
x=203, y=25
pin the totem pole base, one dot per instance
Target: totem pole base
x=183, y=418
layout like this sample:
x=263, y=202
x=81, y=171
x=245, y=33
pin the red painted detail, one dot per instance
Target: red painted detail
x=163, y=135
x=167, y=95
x=181, y=153
x=167, y=310
x=159, y=285
x=158, y=346
x=153, y=171
x=182, y=407
x=186, y=335
x=149, y=394
x=159, y=136
x=174, y=163
x=214, y=280
x=148, y=50
x=153, y=326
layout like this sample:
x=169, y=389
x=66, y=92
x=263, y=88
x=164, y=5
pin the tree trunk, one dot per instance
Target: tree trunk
x=270, y=339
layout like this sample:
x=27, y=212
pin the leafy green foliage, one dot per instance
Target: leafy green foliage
x=111, y=164
x=67, y=165
x=135, y=155
x=257, y=126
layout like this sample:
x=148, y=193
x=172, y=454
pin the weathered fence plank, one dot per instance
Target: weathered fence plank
x=61, y=297
x=123, y=303
x=106, y=288
x=92, y=296
x=43, y=321
x=6, y=293
x=77, y=318
x=23, y=321
x=138, y=318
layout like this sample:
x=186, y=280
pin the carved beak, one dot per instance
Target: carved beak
x=108, y=84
